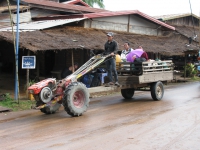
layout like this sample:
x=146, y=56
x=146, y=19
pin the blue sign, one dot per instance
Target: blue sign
x=28, y=62
x=198, y=68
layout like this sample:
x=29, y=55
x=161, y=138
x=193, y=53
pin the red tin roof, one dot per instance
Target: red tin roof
x=113, y=13
x=74, y=2
x=58, y=6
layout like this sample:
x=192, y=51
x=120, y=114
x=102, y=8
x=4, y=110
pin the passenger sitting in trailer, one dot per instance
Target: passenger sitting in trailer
x=68, y=70
x=143, y=57
x=126, y=51
x=135, y=57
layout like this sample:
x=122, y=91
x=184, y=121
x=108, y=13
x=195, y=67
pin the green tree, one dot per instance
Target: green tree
x=92, y=2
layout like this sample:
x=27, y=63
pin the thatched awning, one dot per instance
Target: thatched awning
x=65, y=38
x=188, y=31
x=192, y=52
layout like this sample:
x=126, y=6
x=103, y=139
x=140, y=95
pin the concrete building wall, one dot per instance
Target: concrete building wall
x=141, y=26
x=23, y=17
x=134, y=24
x=114, y=19
x=109, y=26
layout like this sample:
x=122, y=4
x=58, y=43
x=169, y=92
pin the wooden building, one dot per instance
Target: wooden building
x=187, y=25
x=52, y=36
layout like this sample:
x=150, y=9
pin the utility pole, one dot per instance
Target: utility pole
x=199, y=37
x=16, y=56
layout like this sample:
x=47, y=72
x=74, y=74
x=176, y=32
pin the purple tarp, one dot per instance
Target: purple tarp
x=137, y=52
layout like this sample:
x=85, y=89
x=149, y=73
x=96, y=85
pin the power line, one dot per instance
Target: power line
x=192, y=19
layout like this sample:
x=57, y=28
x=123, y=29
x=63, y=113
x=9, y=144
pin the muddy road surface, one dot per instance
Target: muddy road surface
x=112, y=123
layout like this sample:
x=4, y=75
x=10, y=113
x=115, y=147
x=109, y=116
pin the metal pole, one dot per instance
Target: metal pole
x=16, y=56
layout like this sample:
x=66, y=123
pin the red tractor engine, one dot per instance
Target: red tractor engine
x=73, y=95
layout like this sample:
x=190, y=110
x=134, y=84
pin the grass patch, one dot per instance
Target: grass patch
x=12, y=104
x=195, y=78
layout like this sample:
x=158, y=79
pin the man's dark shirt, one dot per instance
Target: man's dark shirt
x=110, y=47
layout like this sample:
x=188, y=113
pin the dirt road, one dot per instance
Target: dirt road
x=112, y=123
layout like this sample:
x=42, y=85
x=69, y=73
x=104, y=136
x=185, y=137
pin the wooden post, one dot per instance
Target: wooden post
x=199, y=39
x=185, y=67
x=72, y=61
x=128, y=25
x=38, y=65
x=27, y=77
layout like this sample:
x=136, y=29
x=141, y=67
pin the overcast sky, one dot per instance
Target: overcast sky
x=155, y=7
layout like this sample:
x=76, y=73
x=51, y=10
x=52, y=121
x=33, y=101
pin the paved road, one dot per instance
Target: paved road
x=112, y=123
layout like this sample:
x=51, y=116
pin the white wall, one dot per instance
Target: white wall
x=137, y=24
x=23, y=17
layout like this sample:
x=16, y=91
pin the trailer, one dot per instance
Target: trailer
x=144, y=76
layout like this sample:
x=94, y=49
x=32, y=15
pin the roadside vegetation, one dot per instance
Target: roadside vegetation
x=195, y=78
x=191, y=70
x=8, y=102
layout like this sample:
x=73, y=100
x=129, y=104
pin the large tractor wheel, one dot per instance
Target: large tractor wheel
x=50, y=109
x=127, y=93
x=76, y=99
x=157, y=91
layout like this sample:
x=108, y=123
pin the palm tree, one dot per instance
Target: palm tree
x=92, y=2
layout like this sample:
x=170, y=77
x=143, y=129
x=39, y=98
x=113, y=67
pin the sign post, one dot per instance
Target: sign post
x=28, y=62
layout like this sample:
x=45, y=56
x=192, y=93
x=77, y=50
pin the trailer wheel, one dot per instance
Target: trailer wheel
x=76, y=99
x=50, y=109
x=127, y=93
x=157, y=90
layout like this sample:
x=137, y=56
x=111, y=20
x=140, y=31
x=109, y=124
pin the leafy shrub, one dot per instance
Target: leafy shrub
x=191, y=70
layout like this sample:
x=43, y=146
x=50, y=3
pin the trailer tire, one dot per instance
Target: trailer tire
x=76, y=99
x=157, y=90
x=50, y=109
x=127, y=93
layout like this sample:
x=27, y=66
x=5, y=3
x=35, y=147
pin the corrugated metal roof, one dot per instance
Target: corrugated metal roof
x=174, y=16
x=59, y=6
x=39, y=25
